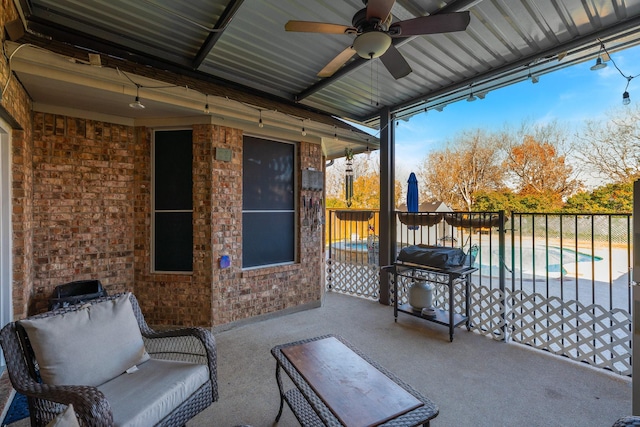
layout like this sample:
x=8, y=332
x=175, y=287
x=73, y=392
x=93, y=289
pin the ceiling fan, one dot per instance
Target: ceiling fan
x=374, y=32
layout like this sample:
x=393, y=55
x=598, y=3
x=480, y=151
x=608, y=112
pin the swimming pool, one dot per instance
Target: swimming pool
x=551, y=261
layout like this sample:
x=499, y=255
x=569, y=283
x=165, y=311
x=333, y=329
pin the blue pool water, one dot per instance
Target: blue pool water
x=550, y=259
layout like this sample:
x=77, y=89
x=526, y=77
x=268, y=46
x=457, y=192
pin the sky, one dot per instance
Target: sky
x=571, y=96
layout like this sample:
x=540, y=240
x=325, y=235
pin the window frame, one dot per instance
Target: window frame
x=293, y=210
x=154, y=211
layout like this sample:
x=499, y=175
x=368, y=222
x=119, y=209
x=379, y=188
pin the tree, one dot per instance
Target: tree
x=366, y=185
x=538, y=169
x=470, y=164
x=509, y=201
x=536, y=162
x=609, y=198
x=611, y=147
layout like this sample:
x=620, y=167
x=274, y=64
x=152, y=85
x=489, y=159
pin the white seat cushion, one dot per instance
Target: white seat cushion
x=65, y=419
x=146, y=396
x=89, y=346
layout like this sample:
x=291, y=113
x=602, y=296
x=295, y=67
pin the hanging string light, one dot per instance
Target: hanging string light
x=599, y=65
x=626, y=98
x=625, y=95
x=137, y=104
x=348, y=176
x=471, y=97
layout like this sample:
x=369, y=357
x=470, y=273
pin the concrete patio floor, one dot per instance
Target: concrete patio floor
x=474, y=380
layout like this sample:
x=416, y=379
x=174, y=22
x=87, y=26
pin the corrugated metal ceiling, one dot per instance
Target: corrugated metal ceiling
x=505, y=41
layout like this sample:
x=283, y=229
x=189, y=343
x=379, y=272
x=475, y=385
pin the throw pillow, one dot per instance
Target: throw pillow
x=89, y=346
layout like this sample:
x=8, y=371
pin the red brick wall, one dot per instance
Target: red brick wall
x=82, y=204
x=212, y=296
x=83, y=188
x=244, y=294
x=175, y=299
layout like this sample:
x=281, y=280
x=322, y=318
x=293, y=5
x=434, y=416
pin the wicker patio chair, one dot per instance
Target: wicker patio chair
x=195, y=345
x=628, y=421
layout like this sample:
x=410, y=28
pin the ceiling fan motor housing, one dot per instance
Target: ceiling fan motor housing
x=363, y=25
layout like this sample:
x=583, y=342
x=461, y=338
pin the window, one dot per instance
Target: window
x=172, y=201
x=268, y=202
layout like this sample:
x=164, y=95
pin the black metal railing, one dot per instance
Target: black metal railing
x=558, y=282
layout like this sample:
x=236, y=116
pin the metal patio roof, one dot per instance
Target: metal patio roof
x=243, y=44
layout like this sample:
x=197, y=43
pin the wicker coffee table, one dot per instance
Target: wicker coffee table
x=337, y=385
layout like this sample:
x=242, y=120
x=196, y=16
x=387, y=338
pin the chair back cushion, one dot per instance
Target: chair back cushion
x=88, y=346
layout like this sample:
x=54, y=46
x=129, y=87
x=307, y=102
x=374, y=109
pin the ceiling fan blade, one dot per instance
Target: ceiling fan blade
x=379, y=9
x=316, y=27
x=441, y=23
x=337, y=62
x=395, y=63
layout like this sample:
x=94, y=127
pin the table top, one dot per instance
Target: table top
x=346, y=388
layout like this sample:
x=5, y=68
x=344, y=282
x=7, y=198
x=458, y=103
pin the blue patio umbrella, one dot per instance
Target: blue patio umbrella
x=412, y=193
x=412, y=197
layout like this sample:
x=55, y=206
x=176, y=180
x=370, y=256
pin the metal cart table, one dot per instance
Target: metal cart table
x=448, y=277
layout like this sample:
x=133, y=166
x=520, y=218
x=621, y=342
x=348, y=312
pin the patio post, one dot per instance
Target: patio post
x=635, y=311
x=387, y=200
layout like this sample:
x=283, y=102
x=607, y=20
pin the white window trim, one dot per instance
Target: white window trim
x=6, y=247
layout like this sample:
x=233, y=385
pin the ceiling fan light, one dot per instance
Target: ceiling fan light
x=372, y=44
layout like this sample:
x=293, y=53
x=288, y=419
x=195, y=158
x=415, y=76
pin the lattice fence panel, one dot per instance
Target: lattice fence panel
x=354, y=279
x=487, y=311
x=590, y=333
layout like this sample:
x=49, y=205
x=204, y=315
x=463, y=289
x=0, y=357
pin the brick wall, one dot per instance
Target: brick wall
x=88, y=192
x=82, y=204
x=175, y=299
x=212, y=296
x=244, y=294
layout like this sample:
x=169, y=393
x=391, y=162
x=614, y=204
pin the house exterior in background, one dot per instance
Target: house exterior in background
x=92, y=196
